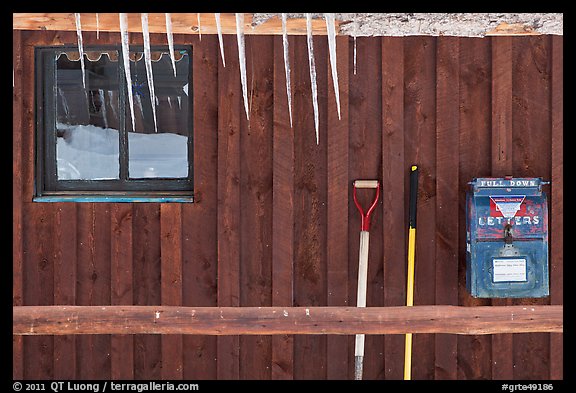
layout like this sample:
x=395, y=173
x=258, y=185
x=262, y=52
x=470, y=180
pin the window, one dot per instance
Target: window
x=89, y=148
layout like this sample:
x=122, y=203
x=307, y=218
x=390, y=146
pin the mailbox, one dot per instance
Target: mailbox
x=507, y=238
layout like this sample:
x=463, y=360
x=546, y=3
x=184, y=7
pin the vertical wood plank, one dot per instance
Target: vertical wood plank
x=38, y=280
x=171, y=283
x=532, y=139
x=557, y=200
x=447, y=129
x=338, y=353
x=37, y=225
x=17, y=198
x=474, y=148
x=502, y=344
x=420, y=144
x=229, y=117
x=394, y=172
x=122, y=346
x=146, y=285
x=256, y=202
x=199, y=253
x=65, y=262
x=282, y=209
x=365, y=162
x=501, y=106
x=309, y=204
x=93, y=275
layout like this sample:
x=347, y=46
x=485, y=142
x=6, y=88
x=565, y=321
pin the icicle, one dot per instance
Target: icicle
x=331, y=29
x=80, y=48
x=97, y=27
x=287, y=67
x=65, y=107
x=125, y=55
x=148, y=61
x=354, y=55
x=312, y=73
x=219, y=27
x=169, y=102
x=110, y=95
x=103, y=107
x=199, y=29
x=170, y=41
x=139, y=105
x=242, y=59
x=179, y=102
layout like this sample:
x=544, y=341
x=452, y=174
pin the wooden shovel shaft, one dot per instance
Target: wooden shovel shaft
x=362, y=269
x=361, y=299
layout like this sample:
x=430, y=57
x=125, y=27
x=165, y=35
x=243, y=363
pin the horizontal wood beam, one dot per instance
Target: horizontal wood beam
x=62, y=320
x=351, y=24
x=182, y=23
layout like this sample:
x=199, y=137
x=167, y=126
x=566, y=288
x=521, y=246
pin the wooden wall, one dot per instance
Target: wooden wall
x=274, y=222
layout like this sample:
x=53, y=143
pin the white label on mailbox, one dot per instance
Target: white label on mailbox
x=509, y=269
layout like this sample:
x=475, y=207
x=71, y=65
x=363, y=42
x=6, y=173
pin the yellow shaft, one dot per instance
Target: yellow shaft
x=408, y=357
x=409, y=301
x=410, y=284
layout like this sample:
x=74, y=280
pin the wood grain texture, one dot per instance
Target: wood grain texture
x=199, y=228
x=447, y=130
x=282, y=210
x=337, y=278
x=122, y=347
x=394, y=203
x=146, y=285
x=171, y=283
x=531, y=129
x=182, y=23
x=310, y=192
x=17, y=193
x=65, y=267
x=229, y=97
x=256, y=201
x=93, y=360
x=41, y=320
x=557, y=201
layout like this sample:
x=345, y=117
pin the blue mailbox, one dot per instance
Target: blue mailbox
x=507, y=238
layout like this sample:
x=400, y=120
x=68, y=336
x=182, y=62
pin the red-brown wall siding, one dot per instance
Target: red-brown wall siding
x=274, y=222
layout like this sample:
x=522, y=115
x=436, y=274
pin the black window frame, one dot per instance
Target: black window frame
x=46, y=178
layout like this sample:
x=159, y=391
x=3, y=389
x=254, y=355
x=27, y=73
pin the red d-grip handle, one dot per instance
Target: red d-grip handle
x=365, y=225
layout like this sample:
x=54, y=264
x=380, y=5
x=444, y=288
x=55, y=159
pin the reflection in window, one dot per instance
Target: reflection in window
x=161, y=153
x=87, y=144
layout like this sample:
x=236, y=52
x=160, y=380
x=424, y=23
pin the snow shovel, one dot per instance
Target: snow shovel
x=410, y=273
x=363, y=266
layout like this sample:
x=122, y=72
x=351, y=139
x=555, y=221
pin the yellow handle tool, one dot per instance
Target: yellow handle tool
x=410, y=273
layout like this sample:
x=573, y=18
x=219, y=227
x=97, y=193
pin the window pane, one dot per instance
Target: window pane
x=87, y=143
x=159, y=149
